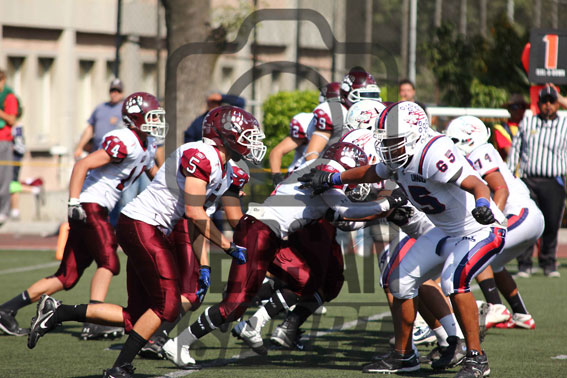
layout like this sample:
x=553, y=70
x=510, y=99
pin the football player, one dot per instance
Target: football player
x=187, y=185
x=96, y=184
x=469, y=228
x=329, y=117
x=262, y=232
x=525, y=220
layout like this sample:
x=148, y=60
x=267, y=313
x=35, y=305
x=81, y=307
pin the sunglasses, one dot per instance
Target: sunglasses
x=516, y=106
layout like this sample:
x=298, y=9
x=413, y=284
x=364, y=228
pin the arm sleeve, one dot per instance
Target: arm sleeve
x=338, y=201
x=195, y=164
x=114, y=147
x=322, y=120
x=239, y=177
x=296, y=130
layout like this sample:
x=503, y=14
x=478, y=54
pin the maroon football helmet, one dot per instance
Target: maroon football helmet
x=330, y=92
x=237, y=130
x=348, y=155
x=359, y=85
x=142, y=111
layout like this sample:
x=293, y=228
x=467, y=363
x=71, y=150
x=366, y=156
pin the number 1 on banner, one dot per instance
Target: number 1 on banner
x=551, y=50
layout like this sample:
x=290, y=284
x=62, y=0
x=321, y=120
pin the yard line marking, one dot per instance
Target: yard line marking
x=29, y=268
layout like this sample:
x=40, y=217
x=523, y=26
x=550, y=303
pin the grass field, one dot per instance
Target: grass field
x=356, y=327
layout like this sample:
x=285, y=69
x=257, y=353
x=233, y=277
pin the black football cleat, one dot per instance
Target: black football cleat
x=154, y=347
x=9, y=324
x=43, y=321
x=93, y=331
x=123, y=371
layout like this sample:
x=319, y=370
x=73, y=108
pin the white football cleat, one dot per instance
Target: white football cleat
x=497, y=313
x=250, y=336
x=179, y=355
x=519, y=321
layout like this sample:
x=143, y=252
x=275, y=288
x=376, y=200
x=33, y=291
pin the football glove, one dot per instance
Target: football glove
x=75, y=211
x=400, y=216
x=397, y=198
x=204, y=282
x=319, y=181
x=482, y=212
x=277, y=178
x=483, y=215
x=238, y=253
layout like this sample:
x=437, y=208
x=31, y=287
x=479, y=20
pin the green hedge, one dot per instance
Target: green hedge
x=278, y=111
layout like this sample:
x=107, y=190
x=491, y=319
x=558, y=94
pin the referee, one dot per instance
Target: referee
x=539, y=153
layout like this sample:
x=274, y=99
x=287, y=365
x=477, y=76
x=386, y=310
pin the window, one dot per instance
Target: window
x=85, y=103
x=45, y=85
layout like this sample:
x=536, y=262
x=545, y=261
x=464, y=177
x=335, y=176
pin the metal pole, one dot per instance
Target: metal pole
x=158, y=48
x=412, y=40
x=297, y=39
x=118, y=38
x=254, y=61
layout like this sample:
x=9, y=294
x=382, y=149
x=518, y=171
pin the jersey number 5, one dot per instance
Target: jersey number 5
x=192, y=164
x=428, y=203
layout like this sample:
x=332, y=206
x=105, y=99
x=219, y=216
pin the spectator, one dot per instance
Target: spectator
x=19, y=148
x=8, y=114
x=106, y=117
x=194, y=131
x=503, y=133
x=539, y=152
x=407, y=92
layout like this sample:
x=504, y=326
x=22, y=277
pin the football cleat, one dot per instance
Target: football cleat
x=433, y=355
x=497, y=313
x=124, y=371
x=287, y=335
x=154, y=347
x=43, y=321
x=518, y=321
x=394, y=362
x=252, y=337
x=180, y=356
x=9, y=324
x=483, y=308
x=321, y=310
x=451, y=355
x=475, y=365
x=93, y=331
x=422, y=334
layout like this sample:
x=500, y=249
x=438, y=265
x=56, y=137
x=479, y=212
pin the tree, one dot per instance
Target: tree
x=189, y=22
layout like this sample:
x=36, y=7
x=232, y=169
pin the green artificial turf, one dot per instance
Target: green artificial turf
x=338, y=347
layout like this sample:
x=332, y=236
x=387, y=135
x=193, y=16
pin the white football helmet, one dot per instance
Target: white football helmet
x=401, y=127
x=467, y=132
x=364, y=114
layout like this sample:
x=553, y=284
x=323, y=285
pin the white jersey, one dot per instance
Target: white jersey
x=324, y=115
x=290, y=208
x=162, y=203
x=298, y=131
x=428, y=182
x=105, y=184
x=485, y=159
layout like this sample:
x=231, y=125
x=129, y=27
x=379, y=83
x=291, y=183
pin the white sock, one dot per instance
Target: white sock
x=259, y=319
x=449, y=322
x=184, y=338
x=441, y=336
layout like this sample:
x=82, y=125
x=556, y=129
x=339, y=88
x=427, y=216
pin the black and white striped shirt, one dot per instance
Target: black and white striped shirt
x=539, y=148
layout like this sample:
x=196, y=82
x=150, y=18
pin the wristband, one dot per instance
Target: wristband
x=336, y=179
x=482, y=202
